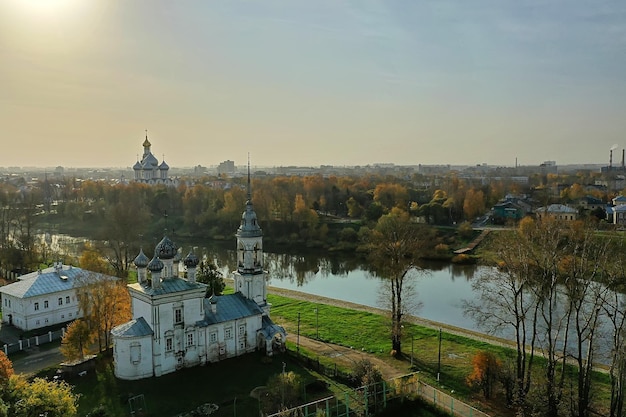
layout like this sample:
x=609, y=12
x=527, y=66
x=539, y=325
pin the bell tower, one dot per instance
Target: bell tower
x=250, y=278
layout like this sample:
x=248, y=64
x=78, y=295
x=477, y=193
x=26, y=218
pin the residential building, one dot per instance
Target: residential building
x=46, y=297
x=557, y=212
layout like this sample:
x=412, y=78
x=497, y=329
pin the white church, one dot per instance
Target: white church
x=148, y=170
x=174, y=326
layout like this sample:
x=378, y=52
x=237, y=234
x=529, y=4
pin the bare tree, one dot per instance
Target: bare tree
x=507, y=303
x=395, y=245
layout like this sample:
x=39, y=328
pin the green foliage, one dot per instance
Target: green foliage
x=208, y=273
x=465, y=231
x=283, y=391
x=40, y=397
x=365, y=373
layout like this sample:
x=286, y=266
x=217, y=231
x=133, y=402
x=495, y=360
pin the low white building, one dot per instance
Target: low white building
x=45, y=297
x=174, y=326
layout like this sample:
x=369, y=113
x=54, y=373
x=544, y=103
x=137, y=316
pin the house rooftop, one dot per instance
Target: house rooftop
x=51, y=280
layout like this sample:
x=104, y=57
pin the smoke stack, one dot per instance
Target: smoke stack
x=623, y=158
x=610, y=159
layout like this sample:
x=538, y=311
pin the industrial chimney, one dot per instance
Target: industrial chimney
x=610, y=159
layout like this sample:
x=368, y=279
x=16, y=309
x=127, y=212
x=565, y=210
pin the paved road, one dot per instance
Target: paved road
x=37, y=360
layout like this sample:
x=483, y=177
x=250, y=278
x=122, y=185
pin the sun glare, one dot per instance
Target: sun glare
x=49, y=9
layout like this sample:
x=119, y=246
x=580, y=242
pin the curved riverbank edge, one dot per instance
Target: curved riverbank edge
x=458, y=331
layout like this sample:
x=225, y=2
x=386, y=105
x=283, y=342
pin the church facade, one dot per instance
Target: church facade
x=148, y=169
x=174, y=326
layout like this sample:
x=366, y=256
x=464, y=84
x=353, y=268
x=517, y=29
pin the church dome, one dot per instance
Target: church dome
x=191, y=260
x=166, y=249
x=141, y=261
x=178, y=256
x=156, y=265
x=149, y=162
x=137, y=166
x=146, y=143
x=164, y=166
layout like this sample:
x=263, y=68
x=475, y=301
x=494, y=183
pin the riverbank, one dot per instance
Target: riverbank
x=458, y=331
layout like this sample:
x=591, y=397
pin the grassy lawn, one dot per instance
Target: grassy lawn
x=370, y=332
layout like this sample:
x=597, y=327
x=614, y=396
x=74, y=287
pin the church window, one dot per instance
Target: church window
x=242, y=330
x=60, y=301
x=169, y=344
x=178, y=316
x=228, y=333
x=189, y=339
x=135, y=353
x=67, y=299
x=45, y=304
x=36, y=306
x=213, y=337
x=37, y=322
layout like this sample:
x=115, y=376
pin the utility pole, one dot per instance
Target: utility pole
x=439, y=360
x=298, y=339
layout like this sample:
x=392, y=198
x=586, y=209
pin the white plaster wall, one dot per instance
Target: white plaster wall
x=124, y=368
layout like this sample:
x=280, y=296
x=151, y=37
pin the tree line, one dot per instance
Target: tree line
x=557, y=291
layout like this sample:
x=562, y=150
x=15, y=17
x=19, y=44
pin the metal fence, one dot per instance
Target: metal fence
x=368, y=400
x=30, y=342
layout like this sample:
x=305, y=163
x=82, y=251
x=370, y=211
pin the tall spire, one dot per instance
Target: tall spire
x=249, y=186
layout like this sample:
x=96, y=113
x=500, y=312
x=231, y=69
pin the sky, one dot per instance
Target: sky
x=309, y=83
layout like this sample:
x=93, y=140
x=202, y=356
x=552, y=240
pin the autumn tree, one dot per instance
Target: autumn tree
x=395, y=245
x=6, y=369
x=40, y=398
x=474, y=203
x=391, y=195
x=104, y=303
x=76, y=340
x=90, y=260
x=283, y=391
x=485, y=372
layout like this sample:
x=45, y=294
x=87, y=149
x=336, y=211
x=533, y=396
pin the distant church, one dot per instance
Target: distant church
x=174, y=326
x=149, y=171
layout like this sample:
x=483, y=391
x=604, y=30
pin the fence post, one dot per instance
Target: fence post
x=6, y=349
x=384, y=395
x=36, y=340
x=50, y=336
x=20, y=344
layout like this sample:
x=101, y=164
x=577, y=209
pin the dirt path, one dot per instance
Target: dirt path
x=348, y=357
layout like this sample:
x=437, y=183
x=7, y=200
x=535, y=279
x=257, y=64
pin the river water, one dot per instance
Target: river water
x=436, y=293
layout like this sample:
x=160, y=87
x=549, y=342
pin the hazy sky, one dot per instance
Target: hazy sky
x=311, y=82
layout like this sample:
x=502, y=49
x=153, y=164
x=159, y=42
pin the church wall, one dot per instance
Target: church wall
x=133, y=358
x=142, y=309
